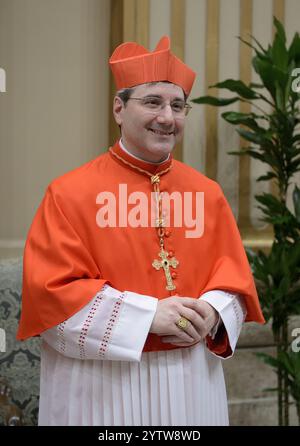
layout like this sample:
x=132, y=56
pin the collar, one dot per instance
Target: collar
x=152, y=168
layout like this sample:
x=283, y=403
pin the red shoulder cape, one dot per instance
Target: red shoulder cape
x=68, y=258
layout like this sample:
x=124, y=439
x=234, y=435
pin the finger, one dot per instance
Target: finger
x=196, y=321
x=188, y=330
x=173, y=339
x=189, y=302
x=176, y=341
x=199, y=306
x=191, y=331
x=177, y=331
x=182, y=335
x=183, y=344
x=194, y=336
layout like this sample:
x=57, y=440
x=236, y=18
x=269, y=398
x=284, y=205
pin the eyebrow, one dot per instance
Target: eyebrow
x=160, y=97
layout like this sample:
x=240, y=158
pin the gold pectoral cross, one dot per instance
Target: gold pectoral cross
x=165, y=263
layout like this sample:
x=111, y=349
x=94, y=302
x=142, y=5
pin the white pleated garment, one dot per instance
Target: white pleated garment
x=182, y=387
x=90, y=377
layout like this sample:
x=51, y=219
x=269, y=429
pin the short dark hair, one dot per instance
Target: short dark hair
x=125, y=94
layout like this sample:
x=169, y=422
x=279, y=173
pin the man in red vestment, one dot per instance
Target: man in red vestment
x=134, y=271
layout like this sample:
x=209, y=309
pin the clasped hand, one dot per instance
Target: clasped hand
x=201, y=315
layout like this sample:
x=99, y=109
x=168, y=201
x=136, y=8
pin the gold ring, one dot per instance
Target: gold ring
x=182, y=323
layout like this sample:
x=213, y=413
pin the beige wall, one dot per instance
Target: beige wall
x=54, y=113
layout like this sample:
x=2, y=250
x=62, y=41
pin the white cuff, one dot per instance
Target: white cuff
x=114, y=325
x=133, y=327
x=232, y=311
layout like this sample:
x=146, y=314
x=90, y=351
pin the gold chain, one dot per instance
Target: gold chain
x=155, y=180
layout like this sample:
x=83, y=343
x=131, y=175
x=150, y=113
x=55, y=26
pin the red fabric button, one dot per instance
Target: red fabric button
x=167, y=233
x=174, y=275
x=171, y=253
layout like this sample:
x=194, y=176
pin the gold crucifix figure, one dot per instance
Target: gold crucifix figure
x=165, y=263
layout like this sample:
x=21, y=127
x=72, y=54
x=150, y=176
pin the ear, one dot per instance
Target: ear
x=118, y=107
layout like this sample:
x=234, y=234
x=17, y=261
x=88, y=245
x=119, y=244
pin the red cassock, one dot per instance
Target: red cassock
x=69, y=257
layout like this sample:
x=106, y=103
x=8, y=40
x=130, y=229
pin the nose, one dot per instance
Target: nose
x=166, y=115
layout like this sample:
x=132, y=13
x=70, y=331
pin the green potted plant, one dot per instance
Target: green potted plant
x=273, y=137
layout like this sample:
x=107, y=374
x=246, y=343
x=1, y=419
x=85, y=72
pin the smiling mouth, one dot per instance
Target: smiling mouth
x=160, y=132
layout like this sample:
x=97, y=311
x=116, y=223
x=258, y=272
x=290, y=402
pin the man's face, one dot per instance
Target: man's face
x=150, y=136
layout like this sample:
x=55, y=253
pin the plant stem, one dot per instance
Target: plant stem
x=255, y=106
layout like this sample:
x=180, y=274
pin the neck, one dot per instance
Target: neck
x=139, y=158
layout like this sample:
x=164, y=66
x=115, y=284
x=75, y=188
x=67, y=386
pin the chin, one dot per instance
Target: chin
x=162, y=151
x=163, y=147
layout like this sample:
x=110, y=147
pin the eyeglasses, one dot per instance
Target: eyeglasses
x=155, y=104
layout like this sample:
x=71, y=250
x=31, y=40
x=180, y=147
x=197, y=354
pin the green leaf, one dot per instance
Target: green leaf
x=264, y=70
x=279, y=97
x=270, y=389
x=288, y=87
x=270, y=74
x=250, y=151
x=280, y=30
x=280, y=53
x=264, y=54
x=254, y=154
x=294, y=259
x=296, y=138
x=211, y=100
x=255, y=85
x=238, y=87
x=246, y=119
x=294, y=50
x=271, y=202
x=237, y=153
x=294, y=165
x=259, y=45
x=251, y=46
x=267, y=177
x=284, y=286
x=236, y=117
x=259, y=137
